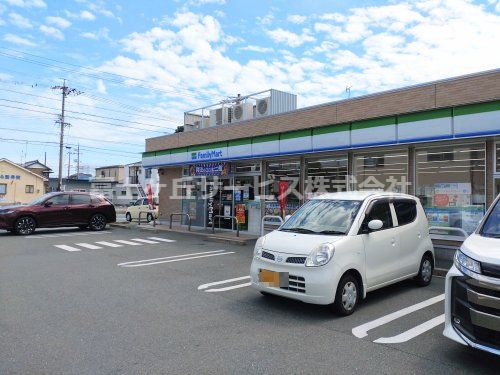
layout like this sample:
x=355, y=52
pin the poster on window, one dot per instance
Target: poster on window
x=240, y=213
x=471, y=216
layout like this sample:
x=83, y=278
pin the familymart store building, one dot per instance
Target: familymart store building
x=439, y=141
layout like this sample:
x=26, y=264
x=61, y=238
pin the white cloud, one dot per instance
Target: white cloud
x=86, y=15
x=266, y=20
x=219, y=13
x=296, y=18
x=290, y=38
x=259, y=49
x=102, y=33
x=27, y=3
x=17, y=20
x=14, y=39
x=101, y=87
x=60, y=22
x=52, y=32
x=198, y=3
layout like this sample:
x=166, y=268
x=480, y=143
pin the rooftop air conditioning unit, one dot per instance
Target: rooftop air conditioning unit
x=242, y=112
x=199, y=124
x=262, y=107
x=220, y=116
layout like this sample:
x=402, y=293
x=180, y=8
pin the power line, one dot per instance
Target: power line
x=72, y=136
x=81, y=104
x=86, y=114
x=187, y=93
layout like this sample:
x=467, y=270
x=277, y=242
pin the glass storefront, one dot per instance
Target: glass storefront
x=386, y=170
x=450, y=182
x=283, y=175
x=326, y=175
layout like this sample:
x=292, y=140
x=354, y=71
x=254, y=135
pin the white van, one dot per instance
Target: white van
x=472, y=304
x=339, y=246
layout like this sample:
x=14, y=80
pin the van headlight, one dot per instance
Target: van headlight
x=320, y=255
x=466, y=264
x=259, y=246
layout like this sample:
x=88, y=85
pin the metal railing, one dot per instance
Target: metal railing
x=181, y=215
x=448, y=233
x=226, y=217
x=263, y=223
x=147, y=212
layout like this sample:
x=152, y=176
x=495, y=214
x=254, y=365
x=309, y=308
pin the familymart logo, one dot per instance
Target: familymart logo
x=206, y=155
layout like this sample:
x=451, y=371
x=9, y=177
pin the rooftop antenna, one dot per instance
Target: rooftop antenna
x=348, y=91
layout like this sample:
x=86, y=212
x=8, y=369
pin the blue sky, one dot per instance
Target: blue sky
x=138, y=65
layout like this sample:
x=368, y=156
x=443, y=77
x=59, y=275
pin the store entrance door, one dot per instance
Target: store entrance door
x=219, y=202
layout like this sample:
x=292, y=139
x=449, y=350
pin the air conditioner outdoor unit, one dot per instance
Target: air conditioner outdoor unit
x=242, y=112
x=220, y=116
x=262, y=107
x=205, y=123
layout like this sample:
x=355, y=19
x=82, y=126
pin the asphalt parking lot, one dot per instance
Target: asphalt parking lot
x=132, y=302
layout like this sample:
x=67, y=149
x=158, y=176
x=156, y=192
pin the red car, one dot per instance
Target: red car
x=63, y=209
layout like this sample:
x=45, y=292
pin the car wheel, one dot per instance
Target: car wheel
x=97, y=222
x=347, y=296
x=149, y=217
x=128, y=217
x=25, y=226
x=424, y=276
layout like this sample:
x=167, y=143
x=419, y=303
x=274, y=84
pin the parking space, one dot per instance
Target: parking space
x=127, y=301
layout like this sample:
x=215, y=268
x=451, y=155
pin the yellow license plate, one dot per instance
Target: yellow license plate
x=273, y=279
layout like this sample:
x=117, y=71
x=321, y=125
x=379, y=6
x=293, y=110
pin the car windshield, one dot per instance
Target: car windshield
x=323, y=216
x=491, y=227
x=40, y=199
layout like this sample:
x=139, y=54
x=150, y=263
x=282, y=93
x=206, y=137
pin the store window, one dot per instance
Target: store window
x=451, y=185
x=282, y=176
x=381, y=171
x=325, y=175
x=497, y=158
x=246, y=168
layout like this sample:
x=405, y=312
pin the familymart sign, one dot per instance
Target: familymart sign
x=207, y=155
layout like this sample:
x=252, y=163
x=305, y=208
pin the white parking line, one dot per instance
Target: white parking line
x=228, y=288
x=362, y=330
x=205, y=286
x=88, y=246
x=128, y=243
x=67, y=248
x=110, y=244
x=413, y=332
x=161, y=239
x=143, y=240
x=174, y=258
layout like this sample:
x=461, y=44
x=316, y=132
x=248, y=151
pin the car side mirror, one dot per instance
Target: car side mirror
x=376, y=224
x=47, y=204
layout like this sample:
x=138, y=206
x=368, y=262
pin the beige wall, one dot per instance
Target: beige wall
x=476, y=88
x=16, y=189
x=115, y=174
x=166, y=203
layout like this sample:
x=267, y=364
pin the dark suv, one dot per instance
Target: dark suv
x=63, y=209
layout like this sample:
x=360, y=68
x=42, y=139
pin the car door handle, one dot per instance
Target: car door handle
x=393, y=241
x=419, y=234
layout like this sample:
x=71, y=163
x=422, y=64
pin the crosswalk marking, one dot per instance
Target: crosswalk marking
x=143, y=240
x=205, y=286
x=88, y=246
x=413, y=332
x=362, y=330
x=71, y=234
x=67, y=248
x=161, y=239
x=109, y=244
x=128, y=243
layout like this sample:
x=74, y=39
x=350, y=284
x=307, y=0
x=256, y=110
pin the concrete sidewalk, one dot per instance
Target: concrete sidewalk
x=218, y=236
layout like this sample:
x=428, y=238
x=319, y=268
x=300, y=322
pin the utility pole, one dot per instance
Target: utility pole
x=78, y=161
x=65, y=90
x=69, y=160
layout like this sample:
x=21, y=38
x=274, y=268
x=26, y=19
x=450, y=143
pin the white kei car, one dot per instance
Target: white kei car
x=141, y=205
x=339, y=246
x=472, y=303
